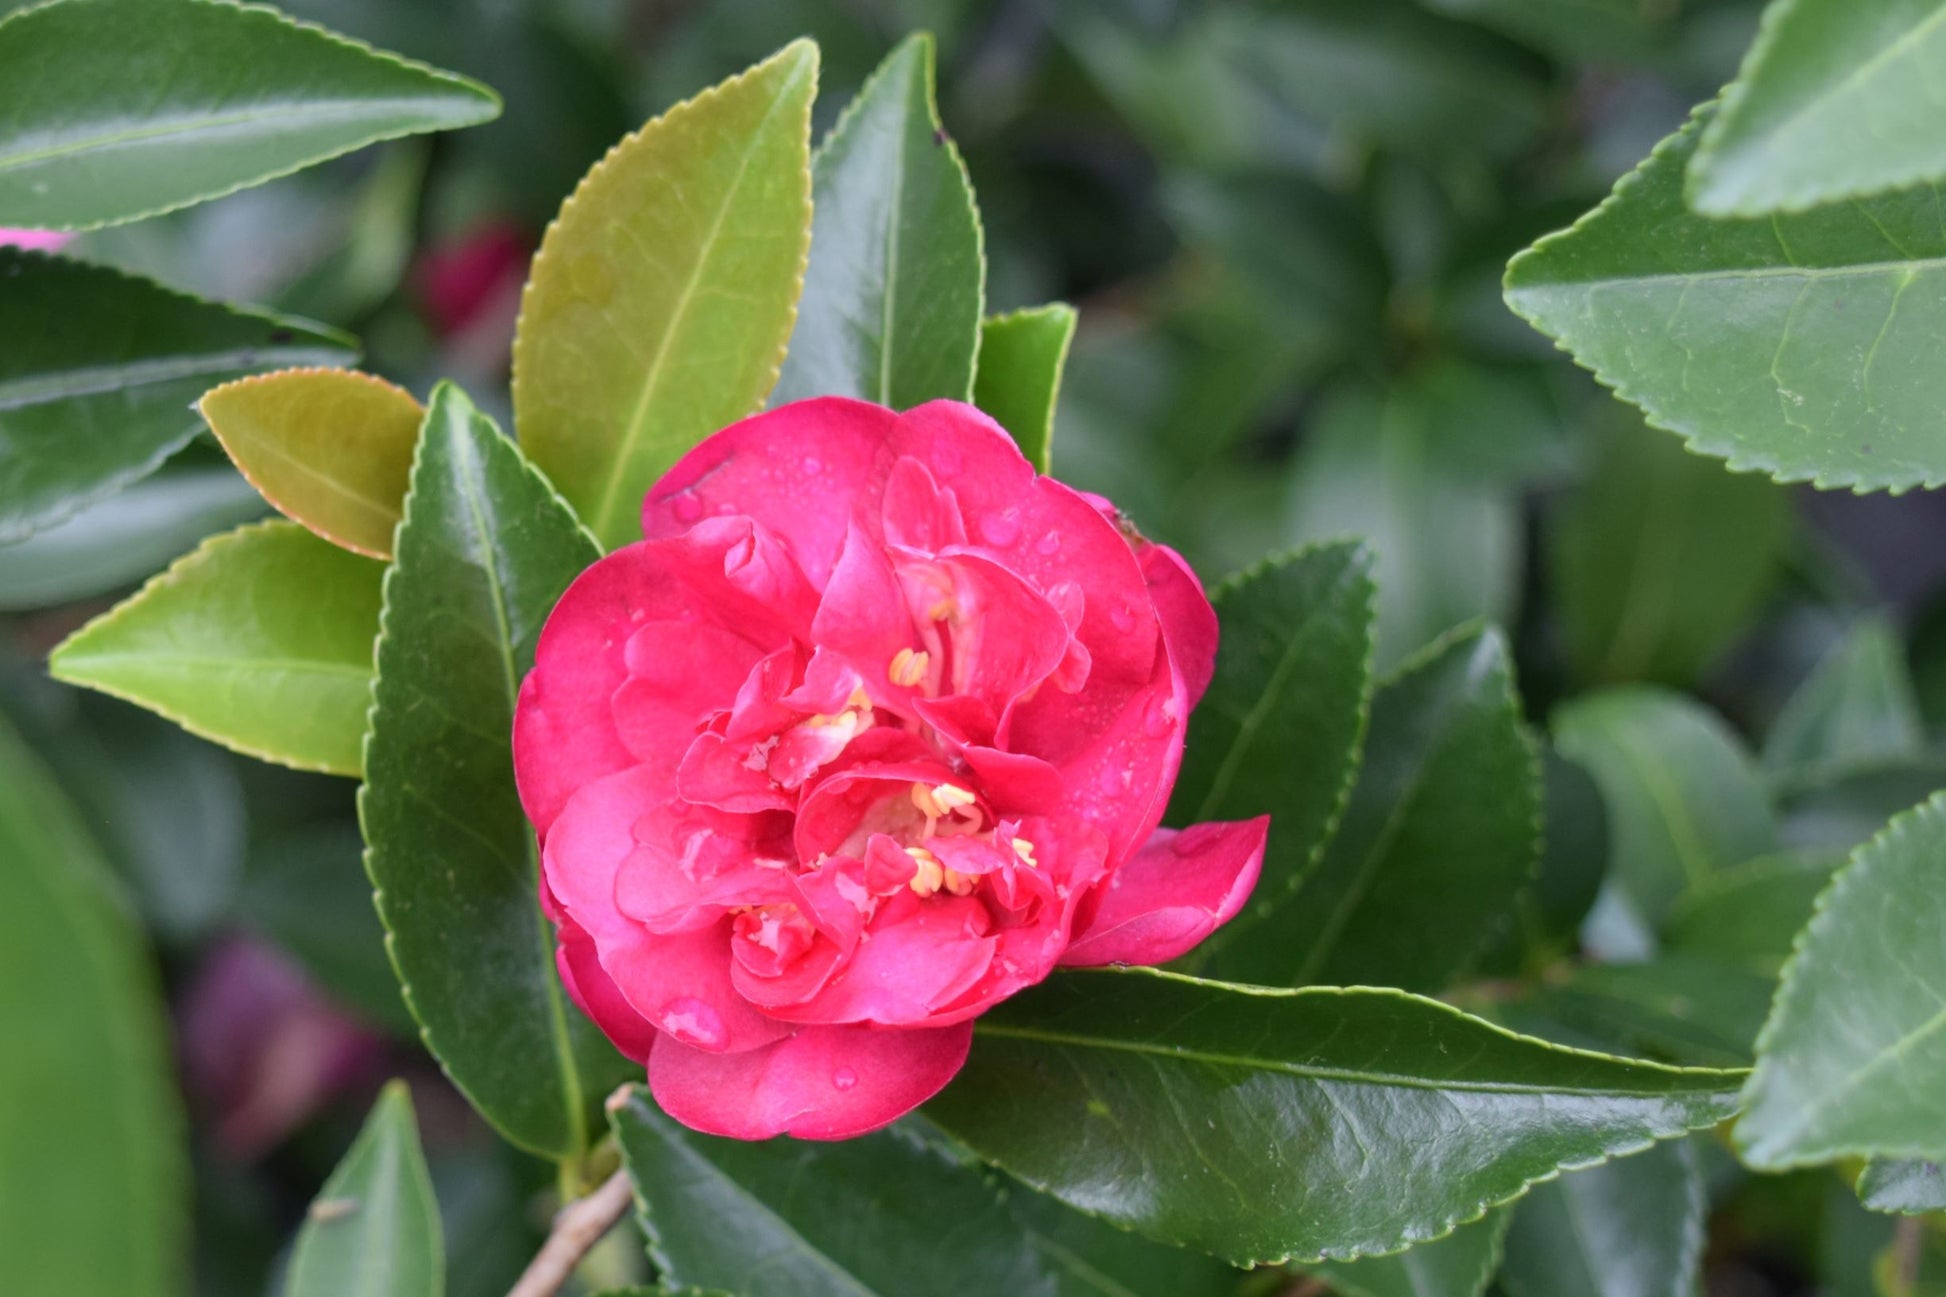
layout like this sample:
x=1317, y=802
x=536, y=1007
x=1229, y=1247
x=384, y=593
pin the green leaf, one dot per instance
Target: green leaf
x=373, y=1230
x=1660, y=560
x=1447, y=538
x=1680, y=1008
x=1459, y=1265
x=112, y=110
x=1857, y=708
x=1628, y=1228
x=260, y=639
x=1574, y=860
x=885, y=1213
x=1750, y=913
x=1440, y=834
x=331, y=448
x=1089, y=1257
x=1262, y=1124
x=1799, y=346
x=485, y=551
x=1280, y=728
x=85, y=410
x=1853, y=1059
x=1022, y=355
x=1600, y=31
x=1837, y=99
x=92, y=1164
x=897, y=277
x=119, y=540
x=1683, y=800
x=1905, y=1187
x=1849, y=807
x=662, y=296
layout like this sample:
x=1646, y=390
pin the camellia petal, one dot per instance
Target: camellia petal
x=1175, y=891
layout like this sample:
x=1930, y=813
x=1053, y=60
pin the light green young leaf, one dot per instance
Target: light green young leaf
x=260, y=639
x=373, y=1230
x=112, y=110
x=1629, y=1228
x=1660, y=558
x=1315, y=1124
x=1837, y=99
x=1804, y=347
x=1441, y=832
x=85, y=410
x=485, y=551
x=1903, y=1186
x=1853, y=1059
x=92, y=1164
x=663, y=294
x=1022, y=355
x=897, y=277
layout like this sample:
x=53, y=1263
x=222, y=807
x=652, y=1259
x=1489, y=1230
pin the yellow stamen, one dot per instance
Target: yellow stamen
x=859, y=700
x=960, y=884
x=908, y=668
x=930, y=874
x=940, y=800
x=1025, y=850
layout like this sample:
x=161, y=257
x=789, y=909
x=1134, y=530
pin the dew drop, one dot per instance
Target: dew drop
x=1048, y=544
x=692, y=1022
x=1124, y=618
x=811, y=465
x=688, y=508
x=844, y=1078
x=1161, y=717
x=1001, y=528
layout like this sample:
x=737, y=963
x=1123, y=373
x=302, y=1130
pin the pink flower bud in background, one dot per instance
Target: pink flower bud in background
x=37, y=240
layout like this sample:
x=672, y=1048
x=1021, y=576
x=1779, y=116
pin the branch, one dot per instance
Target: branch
x=579, y=1226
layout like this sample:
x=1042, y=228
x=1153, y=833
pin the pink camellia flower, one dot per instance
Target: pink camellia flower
x=34, y=240
x=872, y=731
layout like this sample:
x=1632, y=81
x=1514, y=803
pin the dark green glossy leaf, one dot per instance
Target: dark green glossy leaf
x=1803, y=347
x=1459, y=1265
x=373, y=1230
x=260, y=640
x=307, y=891
x=1660, y=559
x=1682, y=798
x=897, y=276
x=1857, y=708
x=1280, y=729
x=1022, y=355
x=120, y=540
x=1574, y=860
x=1750, y=913
x=648, y=323
x=1905, y=1187
x=885, y=1213
x=1440, y=834
x=1447, y=537
x=1090, y=1257
x=1853, y=1058
x=1837, y=99
x=116, y=109
x=85, y=410
x=1628, y=1228
x=1680, y=1008
x=92, y=1167
x=485, y=551
x=1262, y=1124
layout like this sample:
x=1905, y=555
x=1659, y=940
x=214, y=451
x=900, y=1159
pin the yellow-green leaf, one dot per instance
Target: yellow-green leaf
x=664, y=293
x=331, y=448
x=1022, y=355
x=260, y=639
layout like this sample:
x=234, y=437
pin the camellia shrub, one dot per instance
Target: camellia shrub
x=820, y=830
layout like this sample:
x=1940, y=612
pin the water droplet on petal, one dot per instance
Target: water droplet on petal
x=1048, y=544
x=811, y=465
x=1124, y=618
x=1160, y=719
x=688, y=508
x=844, y=1078
x=1001, y=528
x=692, y=1022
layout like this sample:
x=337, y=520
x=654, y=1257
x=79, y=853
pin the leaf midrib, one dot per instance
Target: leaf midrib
x=985, y=1027
x=284, y=114
x=1850, y=270
x=95, y=380
x=632, y=434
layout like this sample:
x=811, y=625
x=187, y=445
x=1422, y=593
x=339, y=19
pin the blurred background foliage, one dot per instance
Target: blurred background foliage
x=1284, y=224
